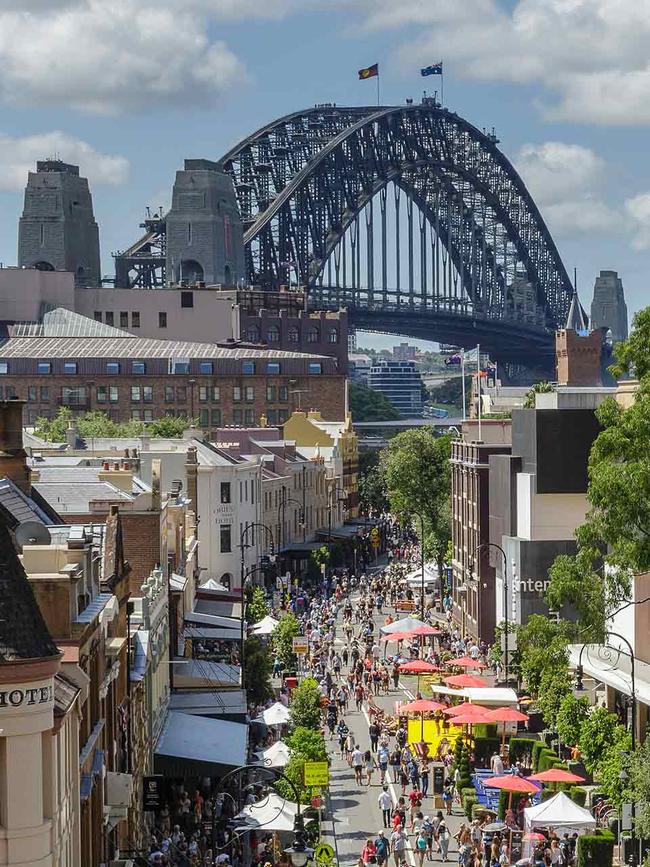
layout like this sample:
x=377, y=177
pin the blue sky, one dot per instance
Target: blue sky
x=129, y=88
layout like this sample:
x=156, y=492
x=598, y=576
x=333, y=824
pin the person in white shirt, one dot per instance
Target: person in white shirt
x=496, y=764
x=357, y=763
x=385, y=805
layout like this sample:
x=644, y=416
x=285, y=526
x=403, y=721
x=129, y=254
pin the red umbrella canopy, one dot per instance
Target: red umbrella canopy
x=397, y=636
x=466, y=709
x=418, y=666
x=533, y=837
x=421, y=705
x=474, y=718
x=465, y=662
x=464, y=680
x=507, y=714
x=557, y=775
x=425, y=629
x=511, y=783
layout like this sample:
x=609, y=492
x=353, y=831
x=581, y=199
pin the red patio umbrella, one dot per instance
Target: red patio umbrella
x=511, y=783
x=464, y=680
x=425, y=630
x=418, y=666
x=507, y=714
x=465, y=662
x=533, y=837
x=421, y=706
x=474, y=717
x=466, y=708
x=557, y=775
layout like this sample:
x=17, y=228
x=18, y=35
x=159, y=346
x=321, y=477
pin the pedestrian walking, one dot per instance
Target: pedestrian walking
x=398, y=845
x=357, y=763
x=381, y=848
x=385, y=802
x=369, y=765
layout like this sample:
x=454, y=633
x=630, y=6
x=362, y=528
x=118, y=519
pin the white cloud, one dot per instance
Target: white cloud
x=106, y=57
x=566, y=180
x=592, y=54
x=18, y=156
x=637, y=212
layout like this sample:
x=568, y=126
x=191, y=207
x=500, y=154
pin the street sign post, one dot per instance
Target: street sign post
x=300, y=646
x=317, y=774
x=323, y=854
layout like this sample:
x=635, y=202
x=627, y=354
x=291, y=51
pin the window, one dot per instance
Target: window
x=101, y=394
x=162, y=319
x=253, y=334
x=215, y=416
x=169, y=394
x=216, y=393
x=147, y=394
x=224, y=537
x=249, y=394
x=225, y=492
x=136, y=394
x=135, y=319
x=248, y=368
x=113, y=394
x=10, y=392
x=69, y=366
x=203, y=394
x=293, y=335
x=283, y=393
x=283, y=415
x=4, y=367
x=32, y=394
x=109, y=319
x=333, y=336
x=98, y=315
x=138, y=368
x=206, y=368
x=273, y=367
x=236, y=393
x=204, y=417
x=136, y=415
x=181, y=393
x=180, y=366
x=270, y=394
x=273, y=334
x=44, y=367
x=315, y=367
x=45, y=393
x=249, y=418
x=272, y=416
x=313, y=335
x=147, y=415
x=112, y=368
x=187, y=299
x=237, y=416
x=124, y=319
x=73, y=396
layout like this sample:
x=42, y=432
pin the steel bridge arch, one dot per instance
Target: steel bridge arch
x=347, y=155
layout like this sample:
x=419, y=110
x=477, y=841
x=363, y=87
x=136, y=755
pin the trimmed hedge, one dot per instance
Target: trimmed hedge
x=578, y=795
x=547, y=794
x=521, y=750
x=469, y=802
x=546, y=759
x=484, y=747
x=596, y=850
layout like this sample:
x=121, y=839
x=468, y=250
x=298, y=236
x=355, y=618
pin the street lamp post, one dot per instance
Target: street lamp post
x=579, y=687
x=299, y=853
x=505, y=598
x=334, y=490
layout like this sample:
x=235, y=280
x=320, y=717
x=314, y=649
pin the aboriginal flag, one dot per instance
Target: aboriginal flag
x=369, y=72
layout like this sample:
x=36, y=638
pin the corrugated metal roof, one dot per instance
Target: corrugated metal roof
x=135, y=348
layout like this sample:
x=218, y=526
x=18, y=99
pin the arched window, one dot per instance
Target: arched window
x=226, y=580
x=253, y=334
x=293, y=334
x=273, y=334
x=333, y=336
x=43, y=266
x=313, y=335
x=191, y=271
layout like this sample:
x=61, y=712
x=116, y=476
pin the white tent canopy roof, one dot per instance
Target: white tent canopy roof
x=276, y=715
x=272, y=813
x=499, y=696
x=276, y=756
x=559, y=812
x=403, y=625
x=266, y=626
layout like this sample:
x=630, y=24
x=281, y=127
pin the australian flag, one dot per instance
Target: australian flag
x=434, y=69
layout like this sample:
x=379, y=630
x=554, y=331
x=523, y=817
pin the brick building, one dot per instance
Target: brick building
x=75, y=362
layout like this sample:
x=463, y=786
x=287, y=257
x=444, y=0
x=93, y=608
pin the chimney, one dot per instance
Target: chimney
x=13, y=460
x=71, y=435
x=191, y=471
x=120, y=475
x=156, y=473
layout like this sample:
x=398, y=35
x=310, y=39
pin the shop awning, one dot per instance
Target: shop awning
x=217, y=607
x=301, y=547
x=191, y=745
x=229, y=703
x=195, y=631
x=609, y=665
x=199, y=674
x=271, y=813
x=198, y=618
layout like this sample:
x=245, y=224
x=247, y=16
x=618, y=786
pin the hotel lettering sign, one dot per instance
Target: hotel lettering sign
x=14, y=697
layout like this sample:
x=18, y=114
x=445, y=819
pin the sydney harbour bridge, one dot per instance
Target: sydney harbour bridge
x=409, y=216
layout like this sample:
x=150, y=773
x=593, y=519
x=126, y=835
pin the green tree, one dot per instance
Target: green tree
x=256, y=607
x=257, y=671
x=639, y=770
x=372, y=493
x=451, y=391
x=554, y=687
x=542, y=650
x=305, y=709
x=98, y=424
x=416, y=471
x=599, y=732
x=286, y=630
x=573, y=711
x=366, y=404
x=305, y=745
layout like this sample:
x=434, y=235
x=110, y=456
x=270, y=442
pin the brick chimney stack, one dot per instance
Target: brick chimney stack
x=578, y=358
x=13, y=459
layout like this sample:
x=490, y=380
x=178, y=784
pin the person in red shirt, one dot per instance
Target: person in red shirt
x=415, y=802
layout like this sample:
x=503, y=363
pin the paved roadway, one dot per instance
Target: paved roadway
x=355, y=812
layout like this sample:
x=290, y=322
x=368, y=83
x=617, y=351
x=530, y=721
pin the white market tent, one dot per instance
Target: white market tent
x=276, y=715
x=560, y=813
x=276, y=756
x=491, y=696
x=272, y=813
x=266, y=626
x=403, y=625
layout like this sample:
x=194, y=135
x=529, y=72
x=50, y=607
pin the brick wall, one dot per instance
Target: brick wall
x=142, y=545
x=578, y=358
